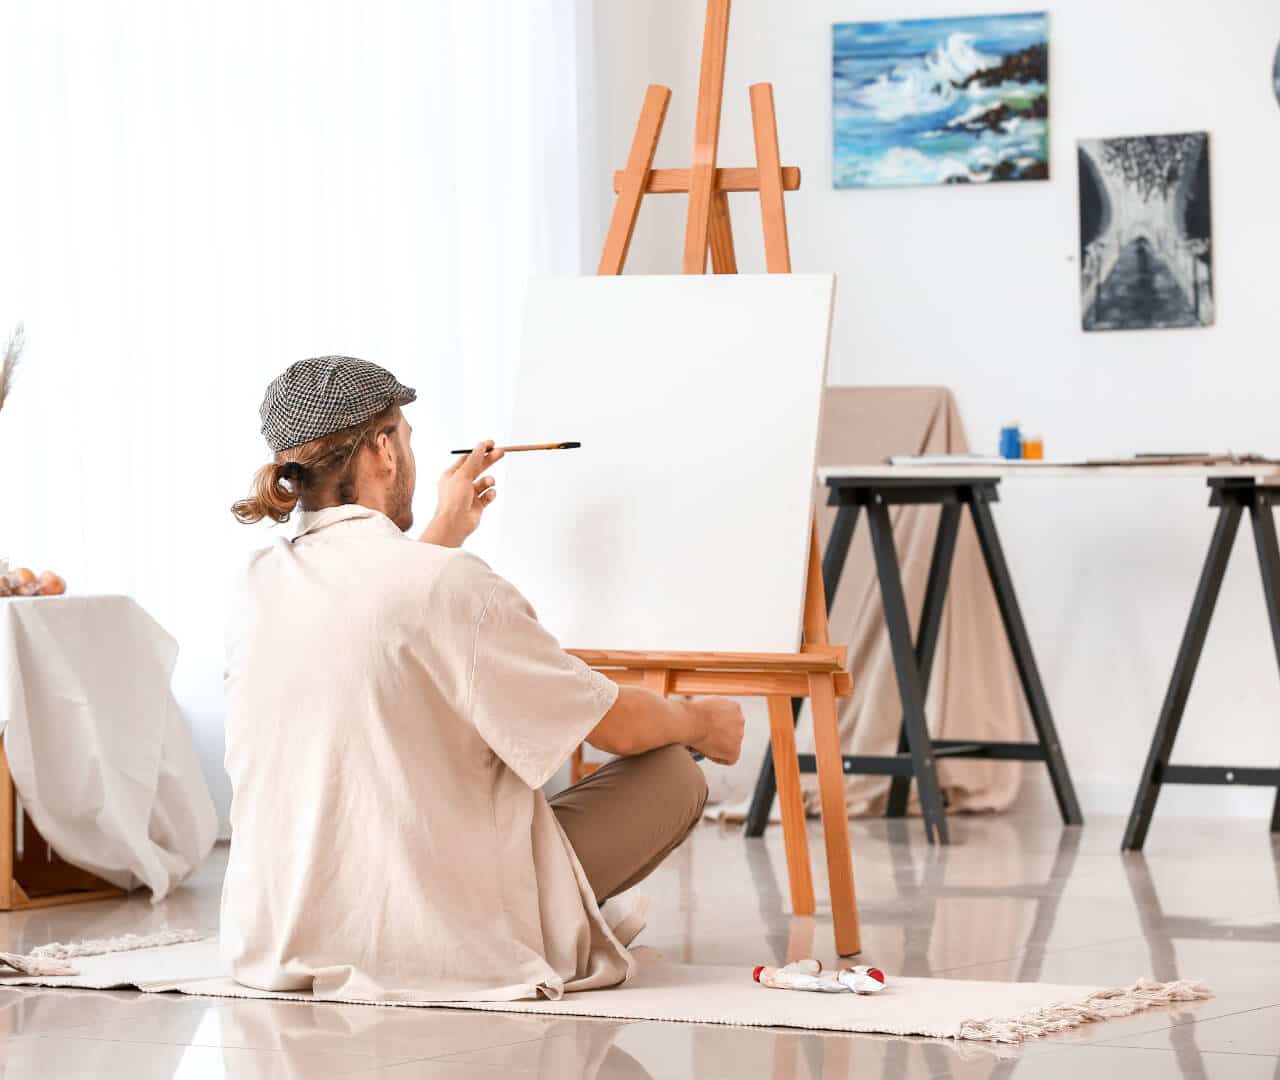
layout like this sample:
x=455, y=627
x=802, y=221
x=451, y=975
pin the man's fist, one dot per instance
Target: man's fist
x=721, y=724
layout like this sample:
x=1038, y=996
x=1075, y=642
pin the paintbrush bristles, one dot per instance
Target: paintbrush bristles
x=12, y=354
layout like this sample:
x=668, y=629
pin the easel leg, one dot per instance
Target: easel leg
x=706, y=137
x=904, y=663
x=833, y=560
x=835, y=814
x=764, y=126
x=935, y=600
x=723, y=259
x=1184, y=670
x=837, y=1060
x=800, y=936
x=795, y=837
x=1023, y=658
x=635, y=179
x=1264, y=538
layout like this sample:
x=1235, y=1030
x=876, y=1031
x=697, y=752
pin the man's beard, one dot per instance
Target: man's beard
x=401, y=508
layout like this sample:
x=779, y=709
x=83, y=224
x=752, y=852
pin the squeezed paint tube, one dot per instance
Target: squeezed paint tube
x=862, y=979
x=808, y=975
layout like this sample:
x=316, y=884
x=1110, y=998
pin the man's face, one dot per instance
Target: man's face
x=406, y=479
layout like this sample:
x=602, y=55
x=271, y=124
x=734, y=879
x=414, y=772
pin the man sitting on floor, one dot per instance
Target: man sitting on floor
x=394, y=707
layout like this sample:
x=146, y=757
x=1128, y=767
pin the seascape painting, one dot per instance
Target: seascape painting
x=1145, y=237
x=940, y=101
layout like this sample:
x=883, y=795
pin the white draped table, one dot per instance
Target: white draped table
x=100, y=756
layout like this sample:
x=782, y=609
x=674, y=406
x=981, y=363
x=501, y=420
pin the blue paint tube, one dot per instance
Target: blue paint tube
x=1010, y=442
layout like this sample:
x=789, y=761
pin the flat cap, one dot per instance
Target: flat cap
x=316, y=397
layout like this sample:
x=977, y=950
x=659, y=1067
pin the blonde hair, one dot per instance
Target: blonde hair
x=316, y=474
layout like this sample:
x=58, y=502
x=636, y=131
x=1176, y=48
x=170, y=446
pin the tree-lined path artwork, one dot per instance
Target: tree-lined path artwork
x=1145, y=232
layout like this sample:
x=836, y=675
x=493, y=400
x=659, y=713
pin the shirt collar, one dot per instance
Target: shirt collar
x=310, y=521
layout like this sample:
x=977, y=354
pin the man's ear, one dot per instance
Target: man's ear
x=385, y=446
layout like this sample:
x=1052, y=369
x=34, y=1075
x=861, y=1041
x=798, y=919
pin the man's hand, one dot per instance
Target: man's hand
x=463, y=494
x=641, y=720
x=721, y=721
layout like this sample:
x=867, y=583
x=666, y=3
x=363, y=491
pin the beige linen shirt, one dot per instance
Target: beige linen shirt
x=393, y=709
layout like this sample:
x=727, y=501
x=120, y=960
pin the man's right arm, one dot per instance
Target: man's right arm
x=641, y=720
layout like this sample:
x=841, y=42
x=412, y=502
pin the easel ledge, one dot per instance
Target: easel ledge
x=725, y=674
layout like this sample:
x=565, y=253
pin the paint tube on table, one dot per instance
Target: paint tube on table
x=808, y=975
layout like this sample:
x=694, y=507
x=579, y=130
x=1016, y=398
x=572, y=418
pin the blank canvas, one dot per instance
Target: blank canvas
x=683, y=521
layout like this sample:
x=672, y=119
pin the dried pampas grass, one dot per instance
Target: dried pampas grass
x=12, y=353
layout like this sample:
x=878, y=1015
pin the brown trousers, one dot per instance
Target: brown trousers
x=630, y=814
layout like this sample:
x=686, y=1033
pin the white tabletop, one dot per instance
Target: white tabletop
x=1260, y=471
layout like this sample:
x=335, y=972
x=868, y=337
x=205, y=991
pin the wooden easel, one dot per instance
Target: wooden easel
x=817, y=670
x=39, y=878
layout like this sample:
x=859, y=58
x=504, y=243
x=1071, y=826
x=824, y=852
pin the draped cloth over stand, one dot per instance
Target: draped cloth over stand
x=974, y=691
x=100, y=755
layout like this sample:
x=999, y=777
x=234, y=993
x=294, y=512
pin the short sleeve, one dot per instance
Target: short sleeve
x=531, y=701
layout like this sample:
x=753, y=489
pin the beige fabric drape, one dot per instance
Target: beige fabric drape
x=974, y=691
x=100, y=754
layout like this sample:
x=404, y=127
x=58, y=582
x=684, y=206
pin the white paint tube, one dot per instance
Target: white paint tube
x=808, y=975
x=862, y=979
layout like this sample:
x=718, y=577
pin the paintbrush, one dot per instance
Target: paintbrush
x=528, y=446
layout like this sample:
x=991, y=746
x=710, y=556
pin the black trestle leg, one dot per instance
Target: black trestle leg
x=1264, y=539
x=904, y=663
x=1184, y=669
x=935, y=600
x=1023, y=658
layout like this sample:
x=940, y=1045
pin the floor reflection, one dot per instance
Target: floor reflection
x=1010, y=899
x=916, y=913
x=1162, y=930
x=659, y=1050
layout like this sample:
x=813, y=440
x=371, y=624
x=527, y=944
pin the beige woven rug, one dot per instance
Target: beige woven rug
x=944, y=1008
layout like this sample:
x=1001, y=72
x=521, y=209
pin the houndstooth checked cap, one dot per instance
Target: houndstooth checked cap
x=316, y=397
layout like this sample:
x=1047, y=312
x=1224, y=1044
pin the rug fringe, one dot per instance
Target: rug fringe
x=50, y=960
x=41, y=969
x=1102, y=1005
x=56, y=950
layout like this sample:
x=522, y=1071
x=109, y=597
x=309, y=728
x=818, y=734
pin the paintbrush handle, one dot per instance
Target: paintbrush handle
x=530, y=446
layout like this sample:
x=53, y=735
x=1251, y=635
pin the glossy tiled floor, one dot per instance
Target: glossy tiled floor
x=1013, y=898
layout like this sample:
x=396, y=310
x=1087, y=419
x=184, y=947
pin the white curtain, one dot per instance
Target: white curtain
x=195, y=194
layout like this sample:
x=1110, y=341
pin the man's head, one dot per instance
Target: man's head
x=335, y=425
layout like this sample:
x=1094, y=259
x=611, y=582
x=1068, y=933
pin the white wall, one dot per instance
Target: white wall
x=976, y=288
x=197, y=195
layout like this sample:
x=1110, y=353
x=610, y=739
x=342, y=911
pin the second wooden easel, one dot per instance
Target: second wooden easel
x=817, y=670
x=37, y=877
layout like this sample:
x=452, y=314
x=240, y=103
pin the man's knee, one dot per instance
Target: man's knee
x=683, y=783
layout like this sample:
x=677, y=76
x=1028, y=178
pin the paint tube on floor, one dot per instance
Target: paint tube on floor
x=808, y=975
x=861, y=979
x=783, y=979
